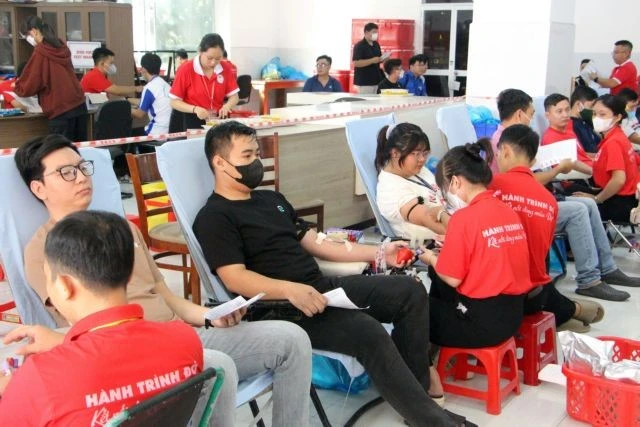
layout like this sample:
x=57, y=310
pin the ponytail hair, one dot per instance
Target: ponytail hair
x=404, y=137
x=470, y=161
x=48, y=35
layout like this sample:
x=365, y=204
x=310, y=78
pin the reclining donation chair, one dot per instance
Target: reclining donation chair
x=362, y=135
x=455, y=124
x=21, y=214
x=189, y=181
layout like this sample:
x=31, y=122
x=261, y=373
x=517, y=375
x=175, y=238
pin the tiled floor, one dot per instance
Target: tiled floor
x=540, y=406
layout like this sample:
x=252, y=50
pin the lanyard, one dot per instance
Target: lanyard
x=114, y=323
x=422, y=183
x=206, y=88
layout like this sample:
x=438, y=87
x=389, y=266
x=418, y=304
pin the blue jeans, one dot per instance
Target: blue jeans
x=580, y=219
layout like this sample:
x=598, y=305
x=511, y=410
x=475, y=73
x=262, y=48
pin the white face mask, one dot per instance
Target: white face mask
x=374, y=37
x=112, y=69
x=601, y=125
x=455, y=202
x=31, y=40
x=401, y=74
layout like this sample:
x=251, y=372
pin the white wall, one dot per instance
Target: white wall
x=299, y=30
x=599, y=24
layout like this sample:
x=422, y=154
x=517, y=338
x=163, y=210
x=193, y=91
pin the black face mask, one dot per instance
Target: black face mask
x=587, y=115
x=252, y=173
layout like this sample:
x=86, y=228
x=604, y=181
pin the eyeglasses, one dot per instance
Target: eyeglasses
x=70, y=172
x=322, y=65
x=420, y=154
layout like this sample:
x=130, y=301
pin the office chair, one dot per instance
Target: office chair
x=244, y=84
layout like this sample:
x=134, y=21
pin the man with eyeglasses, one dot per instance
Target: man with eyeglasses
x=624, y=74
x=58, y=176
x=322, y=81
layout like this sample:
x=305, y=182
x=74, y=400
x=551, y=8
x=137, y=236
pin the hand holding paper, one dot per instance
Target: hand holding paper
x=338, y=298
x=384, y=56
x=229, y=307
x=552, y=154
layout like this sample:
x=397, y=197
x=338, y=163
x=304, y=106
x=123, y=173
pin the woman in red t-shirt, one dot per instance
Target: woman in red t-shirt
x=615, y=168
x=481, y=276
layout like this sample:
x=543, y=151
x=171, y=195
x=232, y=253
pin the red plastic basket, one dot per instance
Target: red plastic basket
x=602, y=402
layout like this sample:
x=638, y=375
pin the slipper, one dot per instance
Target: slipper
x=574, y=325
x=590, y=311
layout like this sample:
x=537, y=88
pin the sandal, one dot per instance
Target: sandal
x=590, y=311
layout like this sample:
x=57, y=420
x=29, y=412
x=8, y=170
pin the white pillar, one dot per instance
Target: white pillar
x=521, y=44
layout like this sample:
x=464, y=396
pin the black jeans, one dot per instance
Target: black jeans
x=72, y=124
x=616, y=208
x=191, y=121
x=460, y=321
x=549, y=299
x=398, y=364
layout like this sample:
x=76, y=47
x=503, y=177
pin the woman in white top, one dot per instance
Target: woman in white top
x=407, y=194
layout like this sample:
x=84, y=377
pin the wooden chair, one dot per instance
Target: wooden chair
x=166, y=238
x=270, y=159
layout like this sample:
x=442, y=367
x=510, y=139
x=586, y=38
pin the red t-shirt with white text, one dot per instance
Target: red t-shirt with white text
x=538, y=212
x=486, y=247
x=616, y=153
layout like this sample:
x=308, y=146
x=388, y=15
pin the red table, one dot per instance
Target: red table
x=279, y=87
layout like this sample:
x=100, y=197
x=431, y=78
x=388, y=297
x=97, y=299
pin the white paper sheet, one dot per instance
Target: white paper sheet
x=338, y=298
x=552, y=373
x=31, y=103
x=552, y=154
x=231, y=306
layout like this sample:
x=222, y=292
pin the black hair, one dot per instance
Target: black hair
x=512, y=100
x=616, y=104
x=327, y=57
x=585, y=61
x=392, y=63
x=583, y=93
x=553, y=100
x=101, y=53
x=370, y=26
x=182, y=54
x=93, y=246
x=470, y=161
x=225, y=55
x=522, y=139
x=48, y=35
x=625, y=43
x=218, y=138
x=419, y=58
x=151, y=62
x=20, y=68
x=628, y=94
x=211, y=40
x=29, y=156
x=405, y=137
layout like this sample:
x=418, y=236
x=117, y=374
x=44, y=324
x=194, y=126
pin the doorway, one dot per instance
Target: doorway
x=446, y=28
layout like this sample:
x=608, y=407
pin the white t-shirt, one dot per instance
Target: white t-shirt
x=156, y=103
x=394, y=191
x=630, y=126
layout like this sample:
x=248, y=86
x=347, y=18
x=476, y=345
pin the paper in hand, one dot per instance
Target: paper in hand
x=552, y=154
x=384, y=56
x=338, y=298
x=230, y=306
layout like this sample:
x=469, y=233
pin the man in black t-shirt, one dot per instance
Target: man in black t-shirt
x=366, y=61
x=582, y=100
x=255, y=243
x=393, y=69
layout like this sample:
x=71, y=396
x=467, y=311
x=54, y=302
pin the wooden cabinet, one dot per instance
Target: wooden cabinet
x=106, y=22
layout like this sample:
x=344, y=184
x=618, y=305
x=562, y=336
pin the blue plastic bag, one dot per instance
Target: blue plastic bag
x=329, y=373
x=271, y=70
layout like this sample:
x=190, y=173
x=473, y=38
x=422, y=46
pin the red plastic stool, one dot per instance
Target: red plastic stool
x=536, y=353
x=490, y=363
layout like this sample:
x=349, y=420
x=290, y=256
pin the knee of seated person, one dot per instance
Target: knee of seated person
x=411, y=288
x=219, y=360
x=289, y=337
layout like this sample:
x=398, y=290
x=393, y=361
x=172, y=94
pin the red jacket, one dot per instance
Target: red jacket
x=49, y=75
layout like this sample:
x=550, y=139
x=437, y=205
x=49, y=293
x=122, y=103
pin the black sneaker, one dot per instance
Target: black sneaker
x=618, y=278
x=603, y=291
